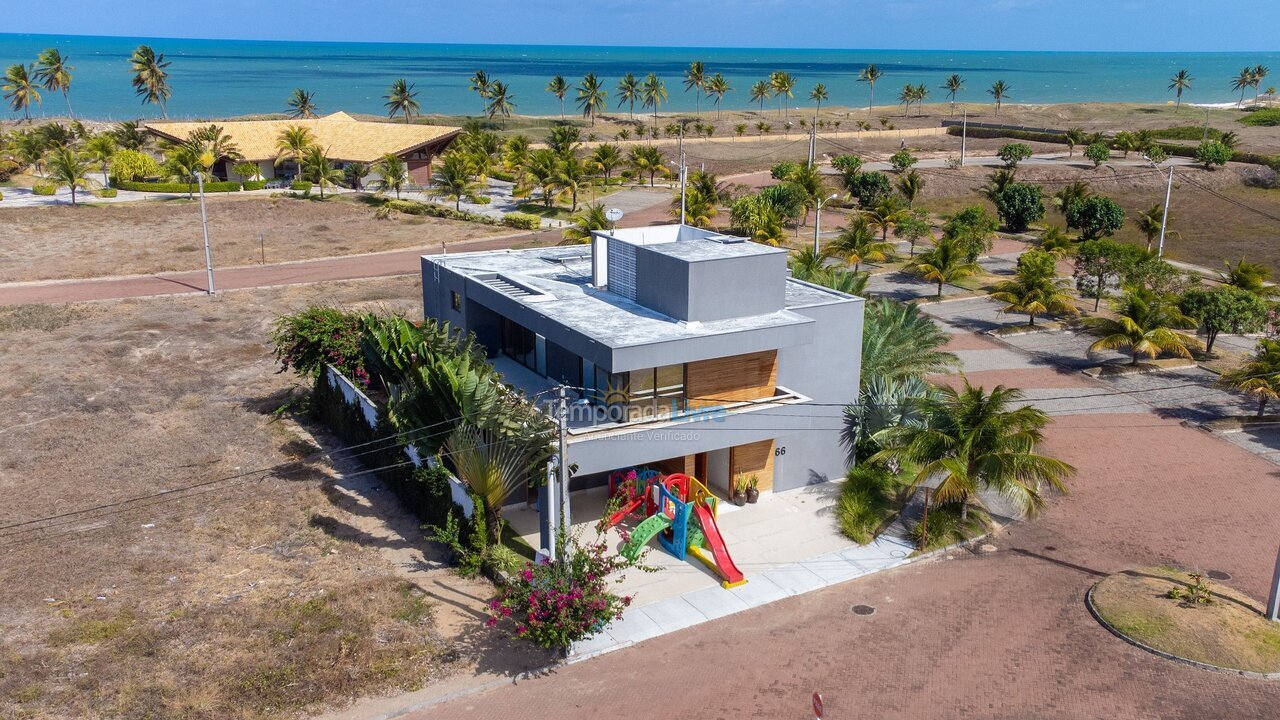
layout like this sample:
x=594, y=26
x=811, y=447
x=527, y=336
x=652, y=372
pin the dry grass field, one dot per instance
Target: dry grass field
x=229, y=591
x=59, y=242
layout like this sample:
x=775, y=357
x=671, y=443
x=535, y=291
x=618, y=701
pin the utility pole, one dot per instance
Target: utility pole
x=682, y=174
x=813, y=141
x=1205, y=135
x=1273, y=604
x=964, y=135
x=562, y=420
x=204, y=224
x=817, y=221
x=1164, y=218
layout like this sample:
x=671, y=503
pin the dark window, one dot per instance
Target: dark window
x=455, y=300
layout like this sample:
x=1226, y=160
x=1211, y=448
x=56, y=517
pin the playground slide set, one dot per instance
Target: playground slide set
x=680, y=512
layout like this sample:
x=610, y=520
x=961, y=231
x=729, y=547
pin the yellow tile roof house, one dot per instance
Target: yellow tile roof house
x=344, y=138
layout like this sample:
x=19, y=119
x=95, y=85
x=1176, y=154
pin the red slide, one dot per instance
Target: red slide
x=732, y=575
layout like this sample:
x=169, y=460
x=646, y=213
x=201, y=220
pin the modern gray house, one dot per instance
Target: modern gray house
x=686, y=351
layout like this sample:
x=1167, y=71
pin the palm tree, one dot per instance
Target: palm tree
x=809, y=179
x=316, y=168
x=591, y=218
x=1259, y=73
x=1146, y=324
x=570, y=176
x=953, y=84
x=646, y=159
x=591, y=97
x=910, y=185
x=946, y=262
x=1073, y=137
x=628, y=93
x=884, y=403
x=858, y=244
x=213, y=140
x=899, y=342
x=402, y=99
x=563, y=139
x=540, y=172
x=1057, y=243
x=869, y=75
x=1249, y=276
x=302, y=104
x=1243, y=81
x=558, y=86
x=501, y=101
x=1258, y=377
x=455, y=178
x=129, y=135
x=817, y=95
x=718, y=87
x=885, y=214
x=151, y=77
x=783, y=84
x=1180, y=81
x=100, y=149
x=247, y=170
x=805, y=263
x=997, y=181
x=20, y=89
x=905, y=97
x=695, y=78
x=393, y=174
x=1035, y=288
x=976, y=441
x=999, y=90
x=68, y=168
x=605, y=158
x=53, y=73
x=653, y=93
x=491, y=466
x=292, y=144
x=480, y=85
x=760, y=92
x=1149, y=222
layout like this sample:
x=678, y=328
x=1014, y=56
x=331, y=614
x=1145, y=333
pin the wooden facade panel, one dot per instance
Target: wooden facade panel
x=753, y=459
x=731, y=379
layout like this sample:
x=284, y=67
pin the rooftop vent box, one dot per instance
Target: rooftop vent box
x=725, y=239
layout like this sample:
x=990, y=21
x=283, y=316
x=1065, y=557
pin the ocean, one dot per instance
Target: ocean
x=221, y=78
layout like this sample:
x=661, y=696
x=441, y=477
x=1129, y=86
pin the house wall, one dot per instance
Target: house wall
x=753, y=459
x=419, y=171
x=737, y=287
x=736, y=378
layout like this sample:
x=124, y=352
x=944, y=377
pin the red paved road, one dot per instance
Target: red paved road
x=999, y=635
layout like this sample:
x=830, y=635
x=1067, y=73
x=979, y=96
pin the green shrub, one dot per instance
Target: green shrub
x=413, y=207
x=8, y=168
x=301, y=186
x=1014, y=153
x=867, y=501
x=132, y=165
x=1019, y=205
x=254, y=184
x=1212, y=152
x=1098, y=153
x=106, y=192
x=478, y=199
x=44, y=189
x=902, y=160
x=1096, y=216
x=502, y=175
x=522, y=221
x=943, y=527
x=783, y=170
x=990, y=133
x=1, y=196
x=1269, y=117
x=1185, y=132
x=308, y=340
x=178, y=187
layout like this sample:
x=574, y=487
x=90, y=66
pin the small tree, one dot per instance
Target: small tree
x=783, y=170
x=847, y=164
x=868, y=187
x=1014, y=153
x=972, y=229
x=1096, y=216
x=131, y=165
x=1019, y=205
x=912, y=227
x=1145, y=323
x=1035, y=289
x=1212, y=152
x=1259, y=377
x=946, y=262
x=902, y=160
x=1224, y=308
x=1098, y=262
x=1098, y=153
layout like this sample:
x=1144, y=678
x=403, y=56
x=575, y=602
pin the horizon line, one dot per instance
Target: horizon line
x=634, y=47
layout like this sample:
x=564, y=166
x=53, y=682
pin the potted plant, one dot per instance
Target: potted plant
x=753, y=489
x=739, y=495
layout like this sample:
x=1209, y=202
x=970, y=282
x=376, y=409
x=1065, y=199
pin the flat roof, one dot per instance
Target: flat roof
x=556, y=282
x=690, y=244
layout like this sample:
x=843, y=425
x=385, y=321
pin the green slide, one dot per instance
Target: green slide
x=643, y=533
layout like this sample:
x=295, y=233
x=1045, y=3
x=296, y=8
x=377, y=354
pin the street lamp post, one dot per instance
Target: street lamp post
x=817, y=220
x=1164, y=216
x=204, y=224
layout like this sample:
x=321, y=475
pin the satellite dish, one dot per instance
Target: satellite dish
x=613, y=214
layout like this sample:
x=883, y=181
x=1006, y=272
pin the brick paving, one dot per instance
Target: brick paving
x=1001, y=634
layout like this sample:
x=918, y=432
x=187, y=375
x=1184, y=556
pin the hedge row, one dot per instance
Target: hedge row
x=44, y=189
x=519, y=221
x=106, y=192
x=1171, y=149
x=177, y=187
x=424, y=492
x=254, y=184
x=300, y=186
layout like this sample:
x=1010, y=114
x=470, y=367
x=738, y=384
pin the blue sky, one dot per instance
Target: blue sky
x=1141, y=25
